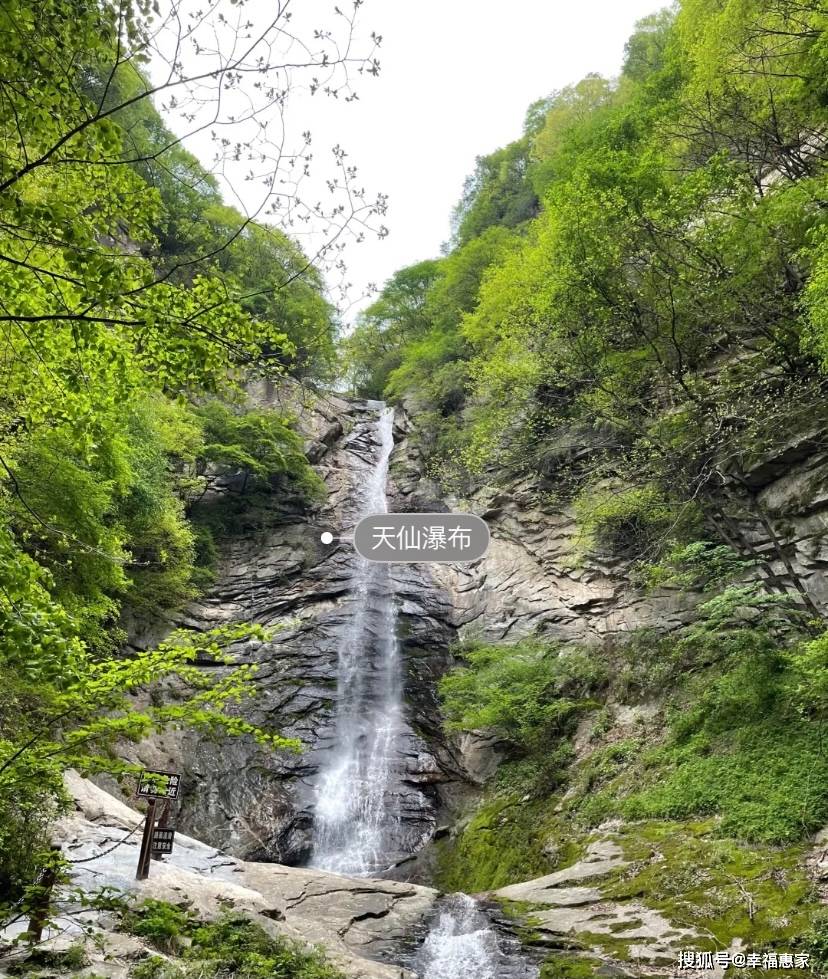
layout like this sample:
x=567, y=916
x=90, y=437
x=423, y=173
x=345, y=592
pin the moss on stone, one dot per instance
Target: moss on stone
x=719, y=888
x=567, y=965
x=509, y=839
x=723, y=889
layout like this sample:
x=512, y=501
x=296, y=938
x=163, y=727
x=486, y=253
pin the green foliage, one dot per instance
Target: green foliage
x=745, y=740
x=505, y=841
x=743, y=691
x=374, y=349
x=42, y=959
x=237, y=946
x=78, y=710
x=162, y=924
x=700, y=565
x=528, y=692
x=655, y=324
x=233, y=945
x=257, y=443
x=645, y=53
x=725, y=888
x=498, y=193
x=567, y=966
x=567, y=113
x=408, y=344
x=632, y=523
x=815, y=943
x=135, y=304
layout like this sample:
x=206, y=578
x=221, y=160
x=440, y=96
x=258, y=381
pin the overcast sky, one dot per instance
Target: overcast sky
x=456, y=79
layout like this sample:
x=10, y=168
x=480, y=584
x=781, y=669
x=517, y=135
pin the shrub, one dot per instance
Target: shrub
x=234, y=945
x=527, y=691
x=633, y=522
x=163, y=924
x=700, y=565
x=239, y=947
x=257, y=443
x=156, y=968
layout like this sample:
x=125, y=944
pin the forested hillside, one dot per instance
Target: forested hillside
x=135, y=305
x=600, y=744
x=634, y=290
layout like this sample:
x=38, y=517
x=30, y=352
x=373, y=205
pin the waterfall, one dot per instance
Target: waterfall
x=358, y=796
x=355, y=812
x=462, y=943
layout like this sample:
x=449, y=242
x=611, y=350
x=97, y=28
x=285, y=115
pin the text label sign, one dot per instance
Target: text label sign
x=422, y=537
x=162, y=840
x=159, y=785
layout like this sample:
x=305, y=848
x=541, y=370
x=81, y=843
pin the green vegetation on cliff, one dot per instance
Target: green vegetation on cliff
x=701, y=754
x=136, y=304
x=635, y=296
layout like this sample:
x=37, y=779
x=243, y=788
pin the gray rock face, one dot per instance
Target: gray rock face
x=536, y=578
x=277, y=573
x=533, y=578
x=778, y=509
x=359, y=923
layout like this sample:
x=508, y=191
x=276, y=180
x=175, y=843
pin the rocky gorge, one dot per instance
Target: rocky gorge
x=260, y=809
x=597, y=750
x=255, y=833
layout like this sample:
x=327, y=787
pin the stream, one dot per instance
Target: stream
x=357, y=797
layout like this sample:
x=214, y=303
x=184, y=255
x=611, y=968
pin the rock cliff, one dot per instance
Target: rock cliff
x=276, y=572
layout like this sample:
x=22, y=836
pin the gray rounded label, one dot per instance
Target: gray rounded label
x=420, y=537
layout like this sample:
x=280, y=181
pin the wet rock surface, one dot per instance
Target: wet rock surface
x=278, y=574
x=465, y=938
x=357, y=922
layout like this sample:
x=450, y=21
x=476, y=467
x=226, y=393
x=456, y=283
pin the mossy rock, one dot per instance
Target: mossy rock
x=509, y=839
x=567, y=965
x=722, y=888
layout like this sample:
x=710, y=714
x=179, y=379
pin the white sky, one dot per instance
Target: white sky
x=456, y=79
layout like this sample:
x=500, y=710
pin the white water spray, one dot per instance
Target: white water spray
x=354, y=811
x=358, y=799
x=463, y=945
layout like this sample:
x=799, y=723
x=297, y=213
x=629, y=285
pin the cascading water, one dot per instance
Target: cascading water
x=358, y=805
x=463, y=943
x=355, y=814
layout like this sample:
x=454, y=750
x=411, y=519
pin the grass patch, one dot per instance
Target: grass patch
x=234, y=945
x=566, y=965
x=44, y=959
x=737, y=747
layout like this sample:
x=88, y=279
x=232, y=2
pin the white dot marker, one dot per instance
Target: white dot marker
x=327, y=537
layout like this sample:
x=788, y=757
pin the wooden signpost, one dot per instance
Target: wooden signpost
x=154, y=786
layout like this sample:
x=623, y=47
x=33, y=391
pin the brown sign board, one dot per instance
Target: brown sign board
x=162, y=840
